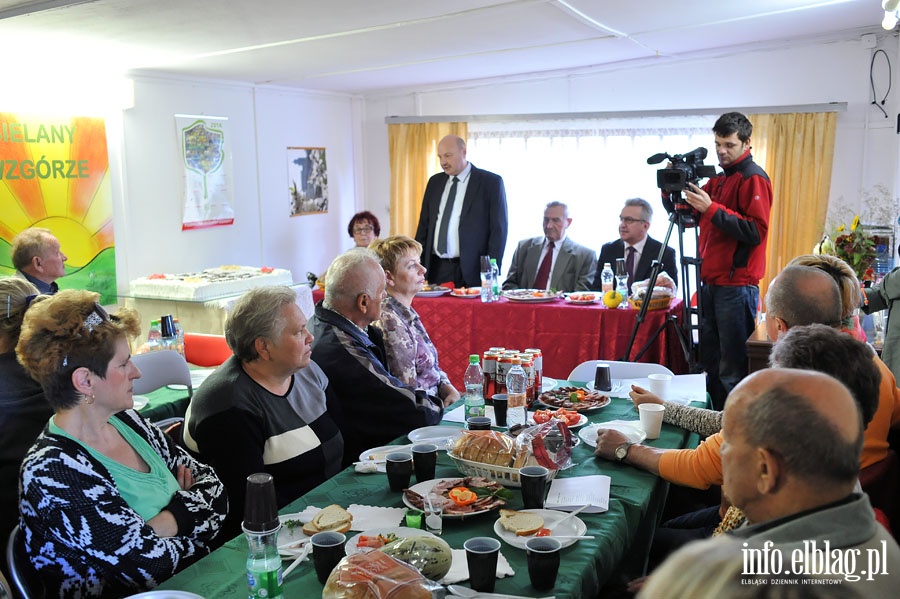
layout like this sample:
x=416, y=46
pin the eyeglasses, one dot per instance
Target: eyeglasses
x=362, y=230
x=630, y=221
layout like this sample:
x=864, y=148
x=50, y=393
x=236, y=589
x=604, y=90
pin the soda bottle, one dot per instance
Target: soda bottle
x=495, y=280
x=516, y=385
x=474, y=380
x=606, y=278
x=261, y=526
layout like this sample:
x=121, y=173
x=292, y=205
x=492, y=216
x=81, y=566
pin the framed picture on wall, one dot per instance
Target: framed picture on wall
x=307, y=180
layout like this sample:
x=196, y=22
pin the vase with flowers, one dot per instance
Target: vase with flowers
x=856, y=247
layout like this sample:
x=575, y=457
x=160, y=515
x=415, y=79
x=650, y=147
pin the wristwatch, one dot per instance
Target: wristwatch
x=622, y=450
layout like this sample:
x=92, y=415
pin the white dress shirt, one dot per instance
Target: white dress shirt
x=453, y=228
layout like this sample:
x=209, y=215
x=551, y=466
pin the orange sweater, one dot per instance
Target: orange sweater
x=702, y=467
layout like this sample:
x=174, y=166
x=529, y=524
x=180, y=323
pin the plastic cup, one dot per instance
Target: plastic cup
x=478, y=423
x=651, y=418
x=500, y=405
x=434, y=514
x=424, y=461
x=328, y=550
x=399, y=468
x=660, y=385
x=602, y=380
x=542, y=554
x=534, y=486
x=481, y=556
x=260, y=506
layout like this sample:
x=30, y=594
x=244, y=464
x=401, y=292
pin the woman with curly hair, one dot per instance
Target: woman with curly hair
x=109, y=506
x=364, y=228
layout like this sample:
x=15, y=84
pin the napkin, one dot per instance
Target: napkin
x=573, y=492
x=459, y=568
x=365, y=517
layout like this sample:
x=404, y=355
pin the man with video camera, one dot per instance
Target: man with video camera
x=733, y=215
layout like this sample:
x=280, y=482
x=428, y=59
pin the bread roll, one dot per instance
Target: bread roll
x=375, y=575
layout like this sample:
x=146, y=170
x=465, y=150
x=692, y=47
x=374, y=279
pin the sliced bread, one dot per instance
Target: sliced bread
x=522, y=524
x=333, y=517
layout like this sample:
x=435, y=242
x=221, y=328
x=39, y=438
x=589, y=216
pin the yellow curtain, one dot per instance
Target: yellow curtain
x=796, y=150
x=412, y=151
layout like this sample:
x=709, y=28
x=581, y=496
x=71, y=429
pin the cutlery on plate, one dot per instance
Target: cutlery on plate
x=569, y=516
x=297, y=560
x=580, y=537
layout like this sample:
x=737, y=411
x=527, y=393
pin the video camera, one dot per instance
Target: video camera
x=682, y=169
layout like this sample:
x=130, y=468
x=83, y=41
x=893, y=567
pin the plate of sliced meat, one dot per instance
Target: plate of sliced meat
x=573, y=398
x=461, y=497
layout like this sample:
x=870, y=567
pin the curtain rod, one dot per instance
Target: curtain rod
x=555, y=116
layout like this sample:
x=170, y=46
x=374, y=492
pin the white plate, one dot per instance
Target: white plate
x=526, y=295
x=140, y=401
x=424, y=487
x=634, y=432
x=547, y=383
x=286, y=536
x=197, y=378
x=402, y=532
x=165, y=595
x=442, y=436
x=574, y=526
x=379, y=453
x=596, y=298
x=468, y=295
x=436, y=292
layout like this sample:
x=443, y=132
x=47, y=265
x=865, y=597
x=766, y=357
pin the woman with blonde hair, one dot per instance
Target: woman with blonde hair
x=109, y=506
x=411, y=355
x=23, y=409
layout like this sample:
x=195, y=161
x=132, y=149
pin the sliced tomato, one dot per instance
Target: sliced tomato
x=462, y=496
x=544, y=532
x=542, y=416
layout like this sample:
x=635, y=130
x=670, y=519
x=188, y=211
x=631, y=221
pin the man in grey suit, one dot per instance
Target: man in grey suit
x=634, y=221
x=463, y=218
x=553, y=261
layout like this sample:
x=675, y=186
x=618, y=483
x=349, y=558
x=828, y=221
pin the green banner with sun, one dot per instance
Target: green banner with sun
x=54, y=173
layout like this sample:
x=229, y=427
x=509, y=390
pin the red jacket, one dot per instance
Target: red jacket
x=734, y=229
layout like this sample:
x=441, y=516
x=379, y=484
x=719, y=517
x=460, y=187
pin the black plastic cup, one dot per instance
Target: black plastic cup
x=500, y=405
x=534, y=485
x=260, y=506
x=424, y=461
x=478, y=423
x=543, y=561
x=481, y=556
x=602, y=380
x=328, y=551
x=399, y=467
x=167, y=326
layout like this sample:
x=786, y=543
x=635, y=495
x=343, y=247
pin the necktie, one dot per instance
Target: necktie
x=629, y=266
x=543, y=273
x=445, y=219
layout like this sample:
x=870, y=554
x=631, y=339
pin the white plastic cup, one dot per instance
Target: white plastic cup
x=651, y=418
x=660, y=385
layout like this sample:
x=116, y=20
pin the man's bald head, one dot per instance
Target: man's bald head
x=354, y=286
x=802, y=295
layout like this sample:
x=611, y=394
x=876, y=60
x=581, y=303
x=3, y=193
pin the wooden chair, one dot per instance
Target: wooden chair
x=205, y=350
x=617, y=370
x=161, y=368
x=25, y=581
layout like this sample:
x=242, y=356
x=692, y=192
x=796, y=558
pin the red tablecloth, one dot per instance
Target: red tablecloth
x=567, y=334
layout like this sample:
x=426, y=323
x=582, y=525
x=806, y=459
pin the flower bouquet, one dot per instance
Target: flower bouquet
x=856, y=247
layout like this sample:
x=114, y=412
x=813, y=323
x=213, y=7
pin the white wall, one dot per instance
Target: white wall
x=261, y=124
x=866, y=149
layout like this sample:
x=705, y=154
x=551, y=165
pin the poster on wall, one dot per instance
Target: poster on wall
x=54, y=174
x=307, y=180
x=206, y=171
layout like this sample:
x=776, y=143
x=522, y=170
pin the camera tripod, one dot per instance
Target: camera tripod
x=689, y=325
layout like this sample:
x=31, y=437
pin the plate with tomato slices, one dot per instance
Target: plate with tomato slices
x=573, y=398
x=377, y=538
x=572, y=418
x=583, y=297
x=466, y=292
x=572, y=527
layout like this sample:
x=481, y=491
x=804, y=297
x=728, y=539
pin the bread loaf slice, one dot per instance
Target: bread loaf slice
x=333, y=517
x=522, y=524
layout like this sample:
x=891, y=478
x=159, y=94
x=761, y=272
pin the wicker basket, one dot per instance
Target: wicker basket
x=508, y=477
x=657, y=303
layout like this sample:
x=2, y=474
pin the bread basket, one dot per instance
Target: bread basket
x=657, y=303
x=508, y=477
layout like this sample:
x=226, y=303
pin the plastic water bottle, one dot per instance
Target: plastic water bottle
x=154, y=337
x=516, y=386
x=622, y=289
x=264, y=577
x=167, y=327
x=474, y=380
x=495, y=280
x=487, y=286
x=606, y=278
x=179, y=337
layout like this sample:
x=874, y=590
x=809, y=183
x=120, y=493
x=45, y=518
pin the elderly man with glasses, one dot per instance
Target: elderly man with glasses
x=634, y=221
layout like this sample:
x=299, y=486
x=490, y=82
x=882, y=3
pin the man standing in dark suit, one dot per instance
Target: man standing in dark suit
x=553, y=261
x=634, y=221
x=463, y=218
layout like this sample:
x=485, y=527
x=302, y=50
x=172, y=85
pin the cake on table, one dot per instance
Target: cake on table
x=210, y=283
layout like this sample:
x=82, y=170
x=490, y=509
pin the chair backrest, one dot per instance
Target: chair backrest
x=617, y=370
x=205, y=350
x=161, y=368
x=25, y=581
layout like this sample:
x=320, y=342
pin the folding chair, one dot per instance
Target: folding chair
x=617, y=370
x=25, y=581
x=161, y=368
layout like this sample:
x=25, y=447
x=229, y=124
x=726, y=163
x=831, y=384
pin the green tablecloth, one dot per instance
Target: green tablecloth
x=165, y=403
x=623, y=534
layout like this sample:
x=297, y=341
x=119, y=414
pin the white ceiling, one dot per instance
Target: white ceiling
x=367, y=46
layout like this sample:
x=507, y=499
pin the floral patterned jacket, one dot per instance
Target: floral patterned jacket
x=86, y=541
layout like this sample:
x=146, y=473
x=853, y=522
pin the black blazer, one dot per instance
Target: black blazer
x=616, y=249
x=483, y=222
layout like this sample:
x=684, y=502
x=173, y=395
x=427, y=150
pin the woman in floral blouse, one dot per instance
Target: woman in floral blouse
x=411, y=355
